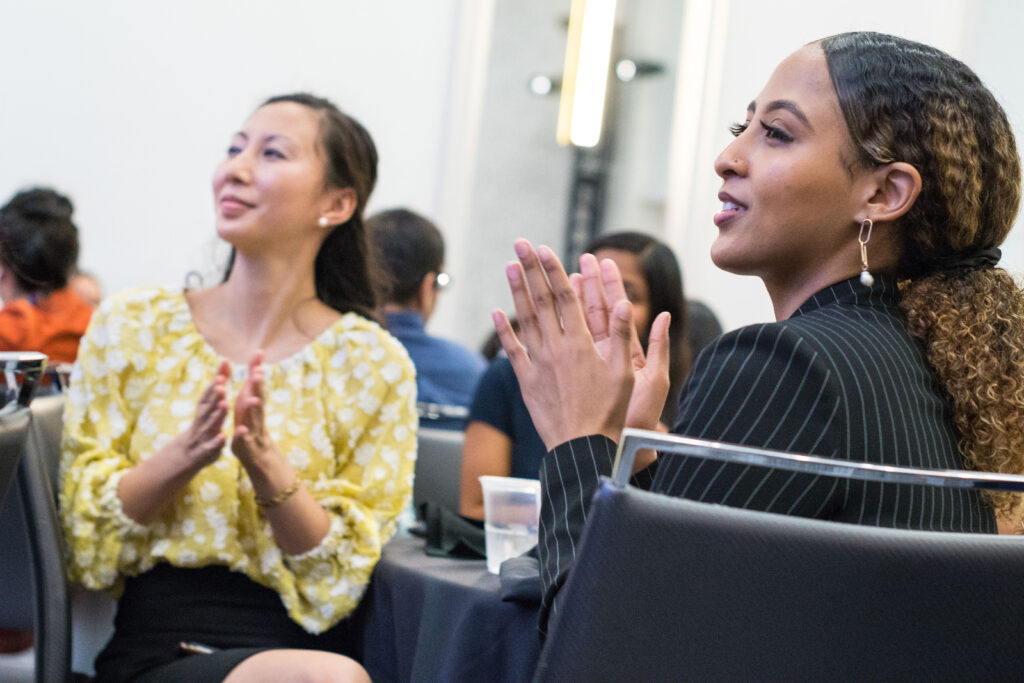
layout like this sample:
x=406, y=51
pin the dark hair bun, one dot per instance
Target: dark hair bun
x=41, y=205
x=38, y=241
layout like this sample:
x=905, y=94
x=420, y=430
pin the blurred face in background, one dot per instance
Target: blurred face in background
x=637, y=291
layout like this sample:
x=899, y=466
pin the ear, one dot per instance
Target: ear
x=895, y=189
x=340, y=204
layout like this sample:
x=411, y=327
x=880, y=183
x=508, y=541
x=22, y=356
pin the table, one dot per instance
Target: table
x=442, y=619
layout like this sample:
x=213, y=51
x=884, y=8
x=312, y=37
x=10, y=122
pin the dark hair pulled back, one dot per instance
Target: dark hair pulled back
x=38, y=240
x=345, y=271
x=904, y=101
x=408, y=247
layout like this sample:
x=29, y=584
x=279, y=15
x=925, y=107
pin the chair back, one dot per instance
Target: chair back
x=14, y=426
x=37, y=478
x=438, y=467
x=19, y=375
x=442, y=416
x=665, y=588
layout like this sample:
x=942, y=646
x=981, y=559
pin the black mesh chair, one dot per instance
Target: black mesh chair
x=14, y=425
x=671, y=589
x=37, y=480
x=438, y=467
x=34, y=556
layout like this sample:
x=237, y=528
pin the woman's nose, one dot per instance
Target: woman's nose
x=238, y=167
x=732, y=160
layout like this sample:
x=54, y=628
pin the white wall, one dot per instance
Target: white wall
x=127, y=106
x=744, y=40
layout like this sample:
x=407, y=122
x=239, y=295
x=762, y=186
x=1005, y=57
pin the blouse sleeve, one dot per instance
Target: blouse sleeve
x=95, y=448
x=374, y=438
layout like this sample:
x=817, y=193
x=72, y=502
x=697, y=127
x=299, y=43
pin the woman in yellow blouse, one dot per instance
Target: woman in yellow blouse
x=235, y=457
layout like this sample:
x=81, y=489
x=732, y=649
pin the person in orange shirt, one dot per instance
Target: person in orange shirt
x=38, y=252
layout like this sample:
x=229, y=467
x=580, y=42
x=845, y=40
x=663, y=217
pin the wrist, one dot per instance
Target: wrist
x=270, y=475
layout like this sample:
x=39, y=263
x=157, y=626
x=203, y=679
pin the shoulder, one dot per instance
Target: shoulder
x=457, y=353
x=754, y=364
x=15, y=318
x=499, y=373
x=133, y=318
x=150, y=302
x=357, y=342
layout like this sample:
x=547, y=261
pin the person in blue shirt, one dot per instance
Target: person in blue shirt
x=411, y=251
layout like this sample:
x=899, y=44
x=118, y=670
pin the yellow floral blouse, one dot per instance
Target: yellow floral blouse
x=342, y=410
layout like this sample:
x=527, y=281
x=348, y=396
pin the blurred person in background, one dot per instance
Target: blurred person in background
x=411, y=250
x=87, y=286
x=38, y=253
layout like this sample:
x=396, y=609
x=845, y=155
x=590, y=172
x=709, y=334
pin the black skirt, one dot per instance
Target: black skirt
x=219, y=610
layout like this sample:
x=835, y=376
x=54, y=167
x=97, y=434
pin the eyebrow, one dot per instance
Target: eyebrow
x=788, y=105
x=268, y=138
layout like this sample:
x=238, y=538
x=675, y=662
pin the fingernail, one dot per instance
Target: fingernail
x=522, y=249
x=496, y=318
x=512, y=272
x=545, y=253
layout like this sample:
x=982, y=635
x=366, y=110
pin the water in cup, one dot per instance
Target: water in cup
x=511, y=513
x=507, y=540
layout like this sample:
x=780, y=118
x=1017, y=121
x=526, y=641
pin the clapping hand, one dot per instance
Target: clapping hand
x=250, y=440
x=585, y=372
x=204, y=439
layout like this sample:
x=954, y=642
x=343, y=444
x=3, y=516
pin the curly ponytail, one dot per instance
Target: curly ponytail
x=904, y=101
x=971, y=324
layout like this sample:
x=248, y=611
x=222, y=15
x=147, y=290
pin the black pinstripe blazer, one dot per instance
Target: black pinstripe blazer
x=841, y=378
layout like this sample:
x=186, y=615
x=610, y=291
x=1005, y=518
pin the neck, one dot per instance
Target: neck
x=399, y=308
x=263, y=296
x=792, y=289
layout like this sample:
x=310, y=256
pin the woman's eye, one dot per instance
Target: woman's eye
x=233, y=150
x=737, y=128
x=272, y=154
x=775, y=133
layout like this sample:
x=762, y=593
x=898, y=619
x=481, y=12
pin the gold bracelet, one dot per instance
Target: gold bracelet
x=267, y=503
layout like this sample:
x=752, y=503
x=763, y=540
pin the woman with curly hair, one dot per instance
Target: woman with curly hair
x=869, y=188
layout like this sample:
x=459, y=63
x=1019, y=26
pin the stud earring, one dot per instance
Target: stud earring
x=323, y=222
x=866, y=278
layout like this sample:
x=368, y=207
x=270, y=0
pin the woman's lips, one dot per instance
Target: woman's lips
x=231, y=207
x=730, y=209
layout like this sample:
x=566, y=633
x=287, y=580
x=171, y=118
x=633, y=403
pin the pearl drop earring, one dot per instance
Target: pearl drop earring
x=866, y=278
x=324, y=222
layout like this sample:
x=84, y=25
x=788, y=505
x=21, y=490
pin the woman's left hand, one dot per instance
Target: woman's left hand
x=250, y=442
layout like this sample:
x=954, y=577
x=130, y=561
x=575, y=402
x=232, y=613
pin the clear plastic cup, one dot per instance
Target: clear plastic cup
x=511, y=515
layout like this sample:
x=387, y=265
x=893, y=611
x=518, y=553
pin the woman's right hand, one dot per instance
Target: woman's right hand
x=204, y=440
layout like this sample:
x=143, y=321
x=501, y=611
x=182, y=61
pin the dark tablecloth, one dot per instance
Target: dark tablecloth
x=439, y=619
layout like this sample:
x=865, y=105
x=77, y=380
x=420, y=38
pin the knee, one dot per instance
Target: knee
x=331, y=668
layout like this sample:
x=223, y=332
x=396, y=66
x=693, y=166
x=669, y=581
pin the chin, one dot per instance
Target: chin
x=730, y=262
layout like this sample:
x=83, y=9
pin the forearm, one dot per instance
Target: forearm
x=299, y=522
x=569, y=476
x=150, y=486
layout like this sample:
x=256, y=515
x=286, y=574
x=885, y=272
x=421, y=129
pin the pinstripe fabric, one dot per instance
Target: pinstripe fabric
x=841, y=378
